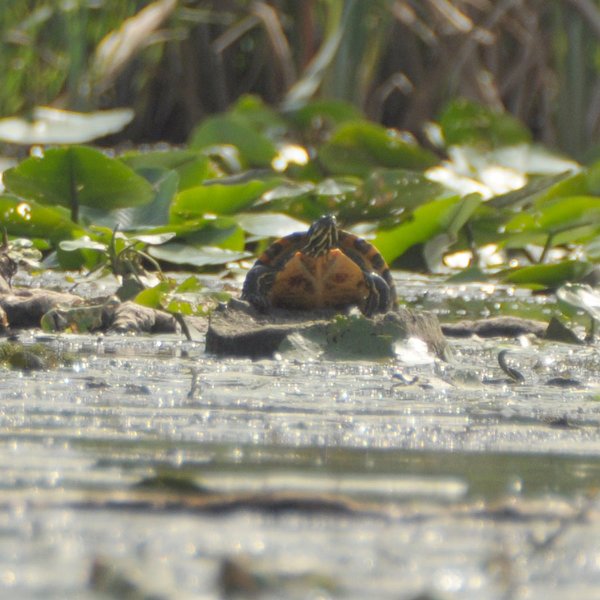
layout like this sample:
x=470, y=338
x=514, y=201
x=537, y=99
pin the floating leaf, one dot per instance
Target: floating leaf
x=259, y=115
x=192, y=166
x=255, y=148
x=221, y=231
x=180, y=254
x=269, y=224
x=335, y=187
x=78, y=175
x=318, y=112
x=154, y=297
x=155, y=239
x=54, y=126
x=468, y=123
x=356, y=148
x=542, y=187
x=427, y=221
x=154, y=213
x=566, y=219
x=82, y=243
x=287, y=190
x=548, y=275
x=218, y=198
x=29, y=219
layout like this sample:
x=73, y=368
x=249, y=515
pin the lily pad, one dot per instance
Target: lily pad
x=356, y=148
x=431, y=219
x=192, y=166
x=78, y=175
x=548, y=275
x=218, y=199
x=154, y=213
x=180, y=254
x=319, y=112
x=269, y=224
x=468, y=123
x=54, y=126
x=255, y=148
x=30, y=219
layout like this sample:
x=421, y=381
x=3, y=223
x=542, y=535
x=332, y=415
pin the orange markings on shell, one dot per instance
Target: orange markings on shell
x=329, y=281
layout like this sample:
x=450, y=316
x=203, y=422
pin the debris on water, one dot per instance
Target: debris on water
x=503, y=326
x=115, y=581
x=561, y=423
x=239, y=577
x=404, y=380
x=31, y=357
x=513, y=373
x=565, y=382
x=172, y=481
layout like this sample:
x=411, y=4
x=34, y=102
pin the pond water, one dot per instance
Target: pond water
x=148, y=469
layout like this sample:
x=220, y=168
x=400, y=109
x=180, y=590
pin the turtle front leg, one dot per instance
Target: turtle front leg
x=257, y=284
x=379, y=299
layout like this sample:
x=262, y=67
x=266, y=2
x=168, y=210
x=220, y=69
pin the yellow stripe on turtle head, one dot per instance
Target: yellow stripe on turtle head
x=321, y=237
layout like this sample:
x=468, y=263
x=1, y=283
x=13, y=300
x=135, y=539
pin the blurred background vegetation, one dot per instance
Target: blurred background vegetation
x=399, y=61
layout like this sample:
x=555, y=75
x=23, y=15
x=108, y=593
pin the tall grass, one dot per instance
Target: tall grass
x=399, y=60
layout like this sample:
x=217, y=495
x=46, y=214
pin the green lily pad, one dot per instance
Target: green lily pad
x=77, y=175
x=543, y=187
x=156, y=212
x=467, y=123
x=55, y=126
x=561, y=214
x=317, y=112
x=221, y=231
x=180, y=254
x=30, y=219
x=218, y=199
x=192, y=166
x=265, y=225
x=446, y=215
x=82, y=243
x=548, y=275
x=255, y=148
x=356, y=148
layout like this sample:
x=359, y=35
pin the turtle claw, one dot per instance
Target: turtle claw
x=380, y=298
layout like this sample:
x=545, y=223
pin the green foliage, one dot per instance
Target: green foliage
x=208, y=207
x=550, y=275
x=217, y=198
x=467, y=123
x=77, y=175
x=357, y=147
x=427, y=221
x=26, y=218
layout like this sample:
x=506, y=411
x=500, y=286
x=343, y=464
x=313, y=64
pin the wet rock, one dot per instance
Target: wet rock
x=237, y=329
x=130, y=317
x=26, y=307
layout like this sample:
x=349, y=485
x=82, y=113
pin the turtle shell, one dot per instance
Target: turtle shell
x=289, y=275
x=328, y=281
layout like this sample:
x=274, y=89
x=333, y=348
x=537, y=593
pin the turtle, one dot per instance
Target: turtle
x=324, y=267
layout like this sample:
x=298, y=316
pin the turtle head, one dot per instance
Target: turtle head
x=322, y=236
